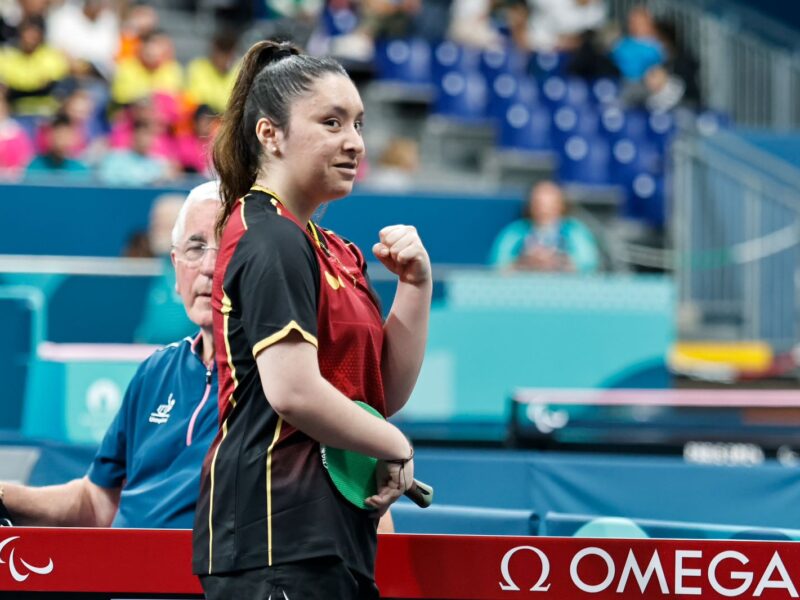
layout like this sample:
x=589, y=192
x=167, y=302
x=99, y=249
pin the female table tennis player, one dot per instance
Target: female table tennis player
x=300, y=336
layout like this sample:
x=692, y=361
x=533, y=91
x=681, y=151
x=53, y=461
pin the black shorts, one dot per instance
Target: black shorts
x=316, y=579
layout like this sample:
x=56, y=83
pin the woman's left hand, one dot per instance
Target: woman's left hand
x=401, y=251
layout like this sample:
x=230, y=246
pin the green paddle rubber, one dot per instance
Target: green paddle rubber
x=353, y=474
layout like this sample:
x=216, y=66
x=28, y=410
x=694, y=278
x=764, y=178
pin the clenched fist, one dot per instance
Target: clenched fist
x=401, y=251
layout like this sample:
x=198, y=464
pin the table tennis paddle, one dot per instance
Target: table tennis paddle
x=353, y=474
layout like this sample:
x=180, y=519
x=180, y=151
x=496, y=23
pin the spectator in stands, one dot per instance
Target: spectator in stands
x=164, y=317
x=153, y=69
x=79, y=107
x=210, y=79
x=161, y=111
x=559, y=24
x=679, y=62
x=87, y=33
x=545, y=239
x=397, y=165
x=14, y=13
x=31, y=69
x=16, y=147
x=471, y=24
x=591, y=60
x=641, y=49
x=193, y=146
x=390, y=18
x=668, y=85
x=139, y=21
x=147, y=470
x=57, y=160
x=137, y=165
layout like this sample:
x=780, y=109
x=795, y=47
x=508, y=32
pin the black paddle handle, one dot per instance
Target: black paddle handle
x=420, y=494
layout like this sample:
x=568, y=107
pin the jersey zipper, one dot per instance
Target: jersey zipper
x=200, y=406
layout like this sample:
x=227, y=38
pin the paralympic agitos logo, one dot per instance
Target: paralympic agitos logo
x=593, y=570
x=20, y=569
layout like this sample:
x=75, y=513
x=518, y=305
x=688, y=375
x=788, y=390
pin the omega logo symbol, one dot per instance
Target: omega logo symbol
x=540, y=586
x=21, y=574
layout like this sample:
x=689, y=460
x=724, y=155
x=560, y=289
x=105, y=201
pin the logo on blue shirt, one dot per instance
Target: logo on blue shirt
x=161, y=414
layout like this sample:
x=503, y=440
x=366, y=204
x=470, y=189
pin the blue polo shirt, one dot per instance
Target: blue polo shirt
x=154, y=448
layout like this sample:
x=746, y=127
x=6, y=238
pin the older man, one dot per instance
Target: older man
x=146, y=472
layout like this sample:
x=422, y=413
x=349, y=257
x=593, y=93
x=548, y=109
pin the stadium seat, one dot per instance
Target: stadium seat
x=605, y=91
x=403, y=60
x=339, y=21
x=526, y=127
x=629, y=159
x=645, y=199
x=507, y=60
x=585, y=160
x=578, y=93
x=661, y=126
x=448, y=56
x=507, y=89
x=545, y=63
x=462, y=95
x=554, y=91
x=708, y=122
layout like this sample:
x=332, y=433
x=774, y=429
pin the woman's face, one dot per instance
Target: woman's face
x=320, y=152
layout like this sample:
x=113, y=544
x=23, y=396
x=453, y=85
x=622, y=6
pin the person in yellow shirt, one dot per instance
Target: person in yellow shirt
x=210, y=79
x=31, y=70
x=153, y=69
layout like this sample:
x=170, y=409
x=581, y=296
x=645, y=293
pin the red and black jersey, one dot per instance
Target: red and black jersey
x=265, y=497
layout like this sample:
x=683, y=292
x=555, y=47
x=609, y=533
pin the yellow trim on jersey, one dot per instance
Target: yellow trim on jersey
x=211, y=498
x=261, y=188
x=315, y=233
x=244, y=222
x=227, y=307
x=279, y=335
x=269, y=488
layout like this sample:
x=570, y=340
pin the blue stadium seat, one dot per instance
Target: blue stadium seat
x=339, y=21
x=526, y=127
x=578, y=92
x=605, y=91
x=645, y=199
x=568, y=121
x=448, y=56
x=585, y=160
x=545, y=64
x=616, y=123
x=508, y=60
x=554, y=91
x=462, y=95
x=404, y=60
x=708, y=122
x=506, y=90
x=661, y=127
x=629, y=159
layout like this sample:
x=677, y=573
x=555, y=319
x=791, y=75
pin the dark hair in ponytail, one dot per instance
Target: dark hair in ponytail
x=271, y=76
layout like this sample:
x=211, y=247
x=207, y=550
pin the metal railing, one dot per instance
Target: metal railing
x=749, y=65
x=736, y=234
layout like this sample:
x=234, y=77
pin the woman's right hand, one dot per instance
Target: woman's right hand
x=392, y=479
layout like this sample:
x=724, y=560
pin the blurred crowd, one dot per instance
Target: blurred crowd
x=92, y=90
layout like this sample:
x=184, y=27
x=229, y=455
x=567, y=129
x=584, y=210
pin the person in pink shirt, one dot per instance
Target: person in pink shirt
x=193, y=146
x=16, y=148
x=159, y=109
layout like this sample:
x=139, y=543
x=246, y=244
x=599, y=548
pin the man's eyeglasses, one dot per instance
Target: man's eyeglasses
x=194, y=253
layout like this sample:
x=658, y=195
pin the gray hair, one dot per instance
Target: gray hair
x=205, y=192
